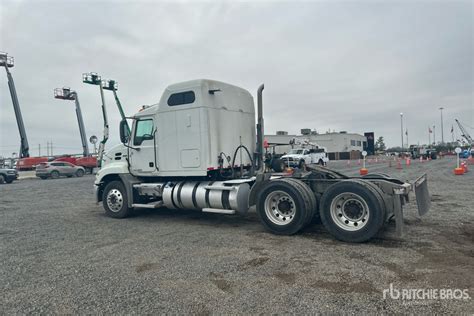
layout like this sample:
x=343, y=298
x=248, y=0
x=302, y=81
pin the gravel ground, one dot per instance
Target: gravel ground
x=61, y=254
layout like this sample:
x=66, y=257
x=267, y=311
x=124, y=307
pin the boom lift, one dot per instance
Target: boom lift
x=71, y=95
x=87, y=161
x=8, y=62
x=112, y=85
x=173, y=159
x=25, y=161
x=94, y=79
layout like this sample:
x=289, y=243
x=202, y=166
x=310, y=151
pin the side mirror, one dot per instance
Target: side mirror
x=124, y=131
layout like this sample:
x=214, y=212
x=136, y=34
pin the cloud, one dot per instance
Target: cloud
x=327, y=65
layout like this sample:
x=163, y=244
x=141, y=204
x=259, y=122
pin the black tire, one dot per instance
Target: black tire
x=321, y=162
x=9, y=181
x=79, y=173
x=2, y=179
x=278, y=165
x=364, y=201
x=54, y=174
x=118, y=198
x=43, y=177
x=290, y=214
x=312, y=206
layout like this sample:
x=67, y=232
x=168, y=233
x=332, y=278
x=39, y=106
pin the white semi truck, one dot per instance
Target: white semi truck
x=199, y=148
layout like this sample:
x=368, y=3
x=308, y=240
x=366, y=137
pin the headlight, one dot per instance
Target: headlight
x=11, y=171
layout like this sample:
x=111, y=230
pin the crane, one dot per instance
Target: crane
x=464, y=133
x=68, y=94
x=304, y=142
x=94, y=79
x=8, y=62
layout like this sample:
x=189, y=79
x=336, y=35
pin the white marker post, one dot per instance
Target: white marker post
x=363, y=171
x=458, y=170
x=458, y=150
x=364, y=154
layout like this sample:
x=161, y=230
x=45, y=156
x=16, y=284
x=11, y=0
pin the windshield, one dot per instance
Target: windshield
x=296, y=152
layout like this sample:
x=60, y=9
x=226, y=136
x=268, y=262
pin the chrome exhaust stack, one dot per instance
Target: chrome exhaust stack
x=260, y=163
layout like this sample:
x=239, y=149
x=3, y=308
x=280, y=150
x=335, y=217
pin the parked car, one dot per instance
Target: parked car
x=8, y=175
x=57, y=169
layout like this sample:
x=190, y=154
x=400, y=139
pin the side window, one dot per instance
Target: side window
x=180, y=98
x=353, y=142
x=143, y=131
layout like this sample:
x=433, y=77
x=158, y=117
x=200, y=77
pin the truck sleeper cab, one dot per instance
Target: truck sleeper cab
x=196, y=150
x=195, y=126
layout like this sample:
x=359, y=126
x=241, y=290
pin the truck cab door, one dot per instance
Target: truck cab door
x=142, y=141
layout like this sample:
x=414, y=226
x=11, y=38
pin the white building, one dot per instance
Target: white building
x=340, y=145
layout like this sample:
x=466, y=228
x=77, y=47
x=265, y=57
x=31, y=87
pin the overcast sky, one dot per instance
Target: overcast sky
x=339, y=65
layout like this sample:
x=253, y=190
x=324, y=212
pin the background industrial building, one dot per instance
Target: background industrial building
x=339, y=145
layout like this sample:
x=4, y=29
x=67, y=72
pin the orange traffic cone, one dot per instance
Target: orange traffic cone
x=363, y=171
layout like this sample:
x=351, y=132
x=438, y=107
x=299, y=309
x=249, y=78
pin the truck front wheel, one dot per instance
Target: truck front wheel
x=282, y=207
x=351, y=212
x=115, y=200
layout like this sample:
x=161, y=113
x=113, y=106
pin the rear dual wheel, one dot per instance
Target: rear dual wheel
x=284, y=206
x=352, y=210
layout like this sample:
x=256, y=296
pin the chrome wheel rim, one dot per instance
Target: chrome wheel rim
x=114, y=200
x=349, y=211
x=280, y=208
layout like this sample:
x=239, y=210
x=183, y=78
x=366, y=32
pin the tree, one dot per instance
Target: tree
x=380, y=144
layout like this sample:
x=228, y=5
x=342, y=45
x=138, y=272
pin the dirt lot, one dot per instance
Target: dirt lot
x=60, y=254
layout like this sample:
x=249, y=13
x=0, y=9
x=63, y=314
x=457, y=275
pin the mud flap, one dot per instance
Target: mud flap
x=423, y=199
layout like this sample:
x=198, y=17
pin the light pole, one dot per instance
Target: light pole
x=442, y=129
x=401, y=126
x=406, y=133
x=434, y=135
